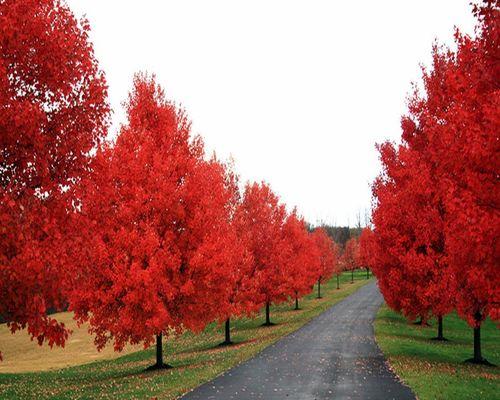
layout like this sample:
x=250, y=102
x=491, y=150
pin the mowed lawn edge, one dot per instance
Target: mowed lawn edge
x=196, y=358
x=436, y=370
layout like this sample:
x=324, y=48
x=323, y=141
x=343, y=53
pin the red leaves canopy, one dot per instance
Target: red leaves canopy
x=409, y=255
x=239, y=278
x=156, y=217
x=328, y=253
x=52, y=95
x=365, y=247
x=463, y=133
x=444, y=181
x=299, y=256
x=53, y=111
x=261, y=217
x=350, y=256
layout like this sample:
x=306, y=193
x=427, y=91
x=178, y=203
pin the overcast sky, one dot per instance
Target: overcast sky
x=297, y=92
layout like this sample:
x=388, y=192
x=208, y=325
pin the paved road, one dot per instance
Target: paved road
x=334, y=356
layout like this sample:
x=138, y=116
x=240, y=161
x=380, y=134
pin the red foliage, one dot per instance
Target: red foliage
x=261, y=217
x=328, y=255
x=408, y=249
x=155, y=217
x=437, y=219
x=459, y=119
x=365, y=247
x=148, y=237
x=299, y=257
x=350, y=256
x=53, y=111
x=241, y=298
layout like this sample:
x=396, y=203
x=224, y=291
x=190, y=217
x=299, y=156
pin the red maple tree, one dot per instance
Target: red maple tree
x=459, y=120
x=261, y=216
x=365, y=249
x=410, y=257
x=441, y=242
x=241, y=290
x=299, y=257
x=350, y=256
x=53, y=112
x=155, y=217
x=328, y=257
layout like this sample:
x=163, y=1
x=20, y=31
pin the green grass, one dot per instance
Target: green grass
x=436, y=370
x=196, y=358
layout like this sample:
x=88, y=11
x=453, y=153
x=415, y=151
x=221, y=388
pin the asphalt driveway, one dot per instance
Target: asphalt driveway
x=334, y=356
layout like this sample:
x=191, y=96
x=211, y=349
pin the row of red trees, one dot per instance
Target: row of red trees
x=166, y=241
x=141, y=237
x=434, y=247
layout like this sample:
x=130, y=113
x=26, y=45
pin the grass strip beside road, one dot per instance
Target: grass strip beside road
x=436, y=370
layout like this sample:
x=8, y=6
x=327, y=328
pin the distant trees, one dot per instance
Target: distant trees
x=436, y=217
x=365, y=249
x=339, y=234
x=350, y=256
x=299, y=257
x=328, y=257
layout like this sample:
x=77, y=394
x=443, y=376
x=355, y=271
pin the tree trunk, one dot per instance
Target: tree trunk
x=338, y=283
x=352, y=276
x=296, y=303
x=228, y=331
x=319, y=288
x=159, y=355
x=440, y=335
x=268, y=319
x=440, y=328
x=367, y=273
x=159, y=351
x=478, y=357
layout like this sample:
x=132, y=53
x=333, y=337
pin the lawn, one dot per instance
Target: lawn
x=21, y=354
x=196, y=358
x=436, y=370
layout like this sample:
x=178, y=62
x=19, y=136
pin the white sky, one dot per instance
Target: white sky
x=297, y=92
